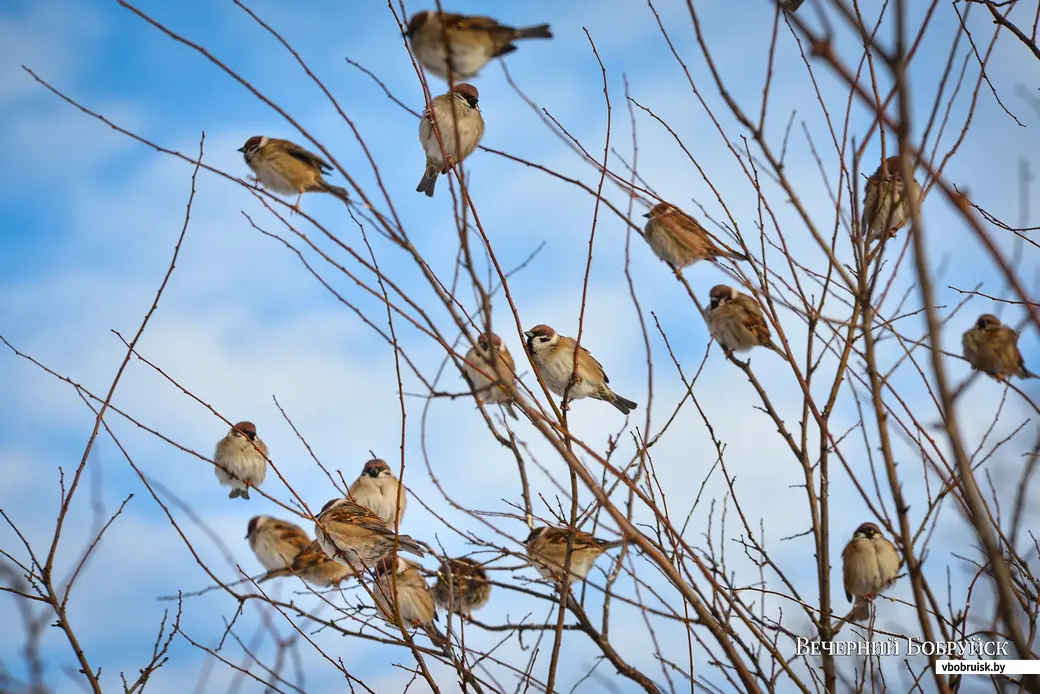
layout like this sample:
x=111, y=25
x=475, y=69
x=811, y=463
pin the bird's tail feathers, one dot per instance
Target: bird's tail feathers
x=337, y=191
x=776, y=348
x=274, y=574
x=623, y=404
x=536, y=32
x=508, y=407
x=406, y=543
x=860, y=610
x=428, y=181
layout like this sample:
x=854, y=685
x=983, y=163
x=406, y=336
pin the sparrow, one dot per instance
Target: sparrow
x=547, y=551
x=679, y=240
x=992, y=347
x=287, y=168
x=886, y=201
x=737, y=322
x=462, y=586
x=241, y=459
x=275, y=542
x=553, y=356
x=460, y=132
x=355, y=536
x=482, y=376
x=871, y=564
x=414, y=602
x=315, y=567
x=376, y=489
x=473, y=41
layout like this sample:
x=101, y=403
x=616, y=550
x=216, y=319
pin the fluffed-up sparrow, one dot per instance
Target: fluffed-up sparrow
x=887, y=200
x=287, y=168
x=460, y=132
x=413, y=598
x=871, y=564
x=547, y=551
x=482, y=376
x=679, y=240
x=473, y=41
x=376, y=488
x=462, y=586
x=992, y=347
x=737, y=322
x=241, y=459
x=553, y=356
x=353, y=535
x=275, y=542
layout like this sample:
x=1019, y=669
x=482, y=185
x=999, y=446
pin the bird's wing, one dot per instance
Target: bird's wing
x=307, y=157
x=459, y=22
x=588, y=363
x=848, y=560
x=292, y=534
x=753, y=318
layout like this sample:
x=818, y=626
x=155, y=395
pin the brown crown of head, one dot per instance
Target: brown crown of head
x=468, y=92
x=987, y=321
x=416, y=23
x=659, y=210
x=868, y=529
x=251, y=143
x=722, y=292
x=374, y=467
x=247, y=429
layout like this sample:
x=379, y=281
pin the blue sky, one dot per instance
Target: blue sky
x=90, y=219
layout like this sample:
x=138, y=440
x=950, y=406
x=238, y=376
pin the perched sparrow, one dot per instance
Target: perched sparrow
x=473, y=41
x=353, y=535
x=547, y=551
x=315, y=567
x=481, y=375
x=460, y=133
x=287, y=168
x=679, y=240
x=241, y=459
x=992, y=347
x=553, y=355
x=275, y=542
x=886, y=202
x=462, y=586
x=737, y=322
x=376, y=489
x=871, y=565
x=413, y=599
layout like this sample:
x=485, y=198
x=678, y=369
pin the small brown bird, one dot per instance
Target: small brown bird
x=679, y=240
x=737, y=322
x=315, y=567
x=413, y=598
x=462, y=586
x=553, y=356
x=287, y=168
x=376, y=488
x=887, y=200
x=871, y=564
x=275, y=542
x=473, y=41
x=241, y=459
x=481, y=375
x=547, y=551
x=353, y=535
x=992, y=347
x=460, y=132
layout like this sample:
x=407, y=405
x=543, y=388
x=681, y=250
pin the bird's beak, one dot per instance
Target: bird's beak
x=246, y=537
x=645, y=216
x=241, y=149
x=529, y=334
x=373, y=473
